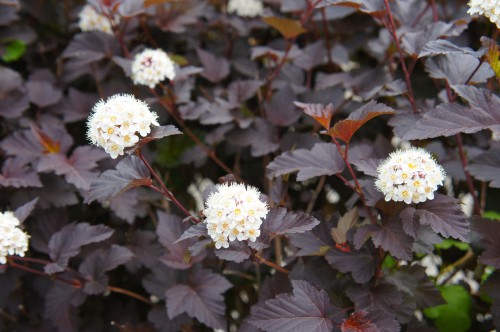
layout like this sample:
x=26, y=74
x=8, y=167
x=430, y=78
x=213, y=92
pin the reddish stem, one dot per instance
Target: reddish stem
x=129, y=294
x=271, y=264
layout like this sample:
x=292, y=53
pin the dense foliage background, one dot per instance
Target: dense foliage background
x=322, y=88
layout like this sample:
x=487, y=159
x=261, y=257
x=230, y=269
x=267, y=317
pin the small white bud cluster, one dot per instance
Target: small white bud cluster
x=150, y=67
x=245, y=8
x=91, y=20
x=488, y=8
x=234, y=212
x=118, y=123
x=410, y=175
x=13, y=241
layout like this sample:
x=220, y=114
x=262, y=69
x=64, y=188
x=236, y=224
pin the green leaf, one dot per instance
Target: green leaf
x=492, y=215
x=454, y=316
x=389, y=262
x=170, y=150
x=448, y=243
x=14, y=50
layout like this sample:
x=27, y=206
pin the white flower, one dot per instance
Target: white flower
x=488, y=8
x=91, y=20
x=13, y=241
x=150, y=67
x=410, y=175
x=247, y=8
x=234, y=212
x=118, y=123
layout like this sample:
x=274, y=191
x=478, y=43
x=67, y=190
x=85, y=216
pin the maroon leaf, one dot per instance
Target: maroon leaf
x=96, y=264
x=43, y=93
x=445, y=217
x=68, y=241
x=451, y=118
x=214, y=69
x=304, y=310
x=237, y=252
x=344, y=129
x=361, y=264
x=357, y=322
x=488, y=231
x=170, y=228
x=78, y=169
x=280, y=109
x=239, y=91
x=24, y=210
x=17, y=174
x=201, y=298
x=486, y=167
x=384, y=296
x=194, y=231
x=127, y=205
x=409, y=220
x=458, y=68
x=130, y=172
x=443, y=46
x=144, y=246
x=60, y=306
x=322, y=159
x=156, y=133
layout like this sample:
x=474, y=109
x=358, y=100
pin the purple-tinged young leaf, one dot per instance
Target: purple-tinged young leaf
x=414, y=281
x=261, y=136
x=449, y=119
x=307, y=309
x=486, y=167
x=43, y=93
x=458, y=68
x=196, y=230
x=414, y=42
x=169, y=230
x=361, y=264
x=129, y=173
x=322, y=159
x=345, y=129
x=319, y=112
x=239, y=91
x=445, y=217
x=60, y=306
x=201, y=299
x=443, y=46
x=237, y=252
x=24, y=210
x=488, y=230
x=384, y=296
x=280, y=109
x=215, y=69
x=78, y=169
x=156, y=133
x=357, y=322
x=17, y=174
x=96, y=264
x=348, y=220
x=68, y=241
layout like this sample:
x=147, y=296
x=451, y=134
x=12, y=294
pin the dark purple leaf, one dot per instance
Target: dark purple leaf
x=358, y=322
x=24, y=210
x=22, y=144
x=414, y=42
x=486, y=167
x=488, y=231
x=201, y=299
x=322, y=159
x=78, y=169
x=214, y=69
x=130, y=8
x=261, y=136
x=239, y=91
x=75, y=106
x=361, y=264
x=280, y=110
x=160, y=280
x=68, y=241
x=384, y=296
x=237, y=252
x=162, y=323
x=127, y=205
x=13, y=97
x=17, y=174
x=89, y=47
x=315, y=242
x=414, y=281
x=216, y=112
x=409, y=221
x=458, y=68
x=60, y=306
x=445, y=217
x=372, y=7
x=307, y=309
x=43, y=93
x=312, y=55
x=443, y=46
x=194, y=231
x=452, y=118
x=96, y=264
x=144, y=246
x=426, y=240
x=170, y=228
x=156, y=133
x=130, y=172
x=55, y=192
x=491, y=288
x=391, y=237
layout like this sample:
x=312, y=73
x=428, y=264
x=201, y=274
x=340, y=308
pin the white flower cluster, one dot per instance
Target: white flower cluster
x=150, y=67
x=118, y=123
x=246, y=8
x=488, y=8
x=409, y=175
x=91, y=20
x=234, y=212
x=13, y=241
